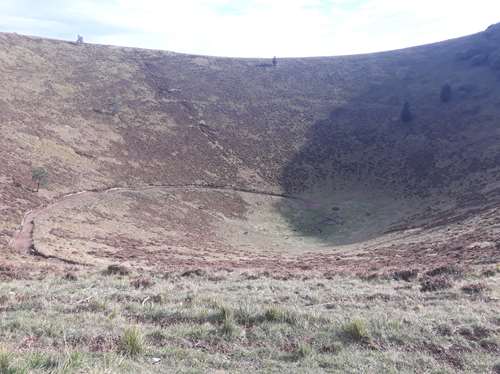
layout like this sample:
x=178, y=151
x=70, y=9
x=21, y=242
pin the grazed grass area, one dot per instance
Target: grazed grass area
x=236, y=322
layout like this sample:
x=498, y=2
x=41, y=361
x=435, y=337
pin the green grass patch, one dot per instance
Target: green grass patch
x=278, y=314
x=356, y=330
x=132, y=342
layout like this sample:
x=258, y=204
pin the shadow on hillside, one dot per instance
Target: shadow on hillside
x=338, y=176
x=363, y=171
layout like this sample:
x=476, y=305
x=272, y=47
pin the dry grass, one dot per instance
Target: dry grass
x=238, y=323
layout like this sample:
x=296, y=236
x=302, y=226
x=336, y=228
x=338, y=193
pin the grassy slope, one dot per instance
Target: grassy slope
x=230, y=322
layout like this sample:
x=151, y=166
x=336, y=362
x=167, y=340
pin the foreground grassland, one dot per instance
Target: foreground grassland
x=228, y=322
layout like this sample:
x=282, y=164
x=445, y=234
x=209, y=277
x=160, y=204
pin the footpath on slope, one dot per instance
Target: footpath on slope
x=23, y=240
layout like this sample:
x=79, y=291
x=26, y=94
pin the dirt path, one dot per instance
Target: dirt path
x=23, y=238
x=23, y=241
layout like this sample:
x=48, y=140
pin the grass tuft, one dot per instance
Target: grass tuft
x=73, y=361
x=6, y=364
x=302, y=351
x=356, y=330
x=229, y=328
x=277, y=314
x=131, y=342
x=41, y=360
x=223, y=314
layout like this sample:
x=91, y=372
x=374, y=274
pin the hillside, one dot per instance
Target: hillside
x=354, y=186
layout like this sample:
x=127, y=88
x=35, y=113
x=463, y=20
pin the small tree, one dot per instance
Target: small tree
x=406, y=115
x=79, y=39
x=39, y=176
x=275, y=61
x=445, y=93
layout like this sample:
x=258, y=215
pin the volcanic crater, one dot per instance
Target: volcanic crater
x=163, y=160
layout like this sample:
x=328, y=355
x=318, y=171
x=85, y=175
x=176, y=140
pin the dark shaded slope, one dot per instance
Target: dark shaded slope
x=362, y=158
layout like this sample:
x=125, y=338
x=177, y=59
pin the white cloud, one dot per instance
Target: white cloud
x=253, y=27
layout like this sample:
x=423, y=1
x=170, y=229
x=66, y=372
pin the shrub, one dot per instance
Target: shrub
x=116, y=270
x=406, y=115
x=406, y=275
x=194, y=272
x=445, y=93
x=452, y=270
x=474, y=288
x=131, y=342
x=141, y=282
x=39, y=176
x=435, y=284
x=70, y=277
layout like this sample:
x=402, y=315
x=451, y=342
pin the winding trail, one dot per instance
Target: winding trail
x=23, y=241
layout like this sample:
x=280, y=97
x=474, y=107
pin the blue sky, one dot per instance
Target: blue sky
x=252, y=28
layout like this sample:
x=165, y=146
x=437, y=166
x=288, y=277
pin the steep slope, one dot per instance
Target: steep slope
x=303, y=164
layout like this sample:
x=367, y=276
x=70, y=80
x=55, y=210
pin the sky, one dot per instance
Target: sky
x=252, y=28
